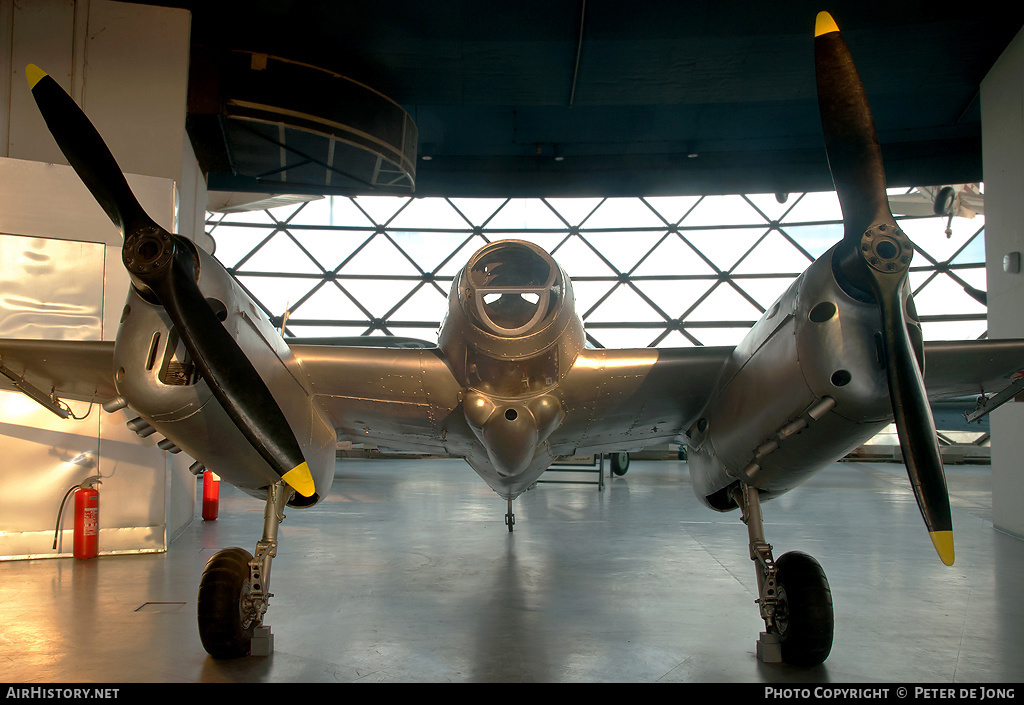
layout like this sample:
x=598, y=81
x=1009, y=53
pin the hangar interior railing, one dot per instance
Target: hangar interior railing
x=665, y=271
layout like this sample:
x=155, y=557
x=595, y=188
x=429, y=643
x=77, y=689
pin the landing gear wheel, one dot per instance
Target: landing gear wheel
x=803, y=613
x=226, y=617
x=944, y=201
x=620, y=463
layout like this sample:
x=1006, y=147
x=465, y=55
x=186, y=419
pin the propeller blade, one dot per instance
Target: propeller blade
x=875, y=257
x=851, y=144
x=166, y=266
x=86, y=151
x=914, y=423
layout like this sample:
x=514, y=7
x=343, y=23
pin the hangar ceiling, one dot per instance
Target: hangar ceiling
x=576, y=97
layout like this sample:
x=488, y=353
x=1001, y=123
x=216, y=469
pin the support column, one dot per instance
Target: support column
x=1002, y=110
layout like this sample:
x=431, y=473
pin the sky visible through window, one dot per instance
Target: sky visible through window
x=665, y=271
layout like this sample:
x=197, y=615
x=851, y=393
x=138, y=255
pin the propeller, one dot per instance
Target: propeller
x=166, y=267
x=874, y=257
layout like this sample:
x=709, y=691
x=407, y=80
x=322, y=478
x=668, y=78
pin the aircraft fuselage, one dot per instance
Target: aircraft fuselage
x=510, y=336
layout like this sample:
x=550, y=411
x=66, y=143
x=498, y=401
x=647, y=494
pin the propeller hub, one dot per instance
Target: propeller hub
x=147, y=251
x=886, y=249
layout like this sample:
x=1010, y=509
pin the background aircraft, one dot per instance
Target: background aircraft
x=511, y=384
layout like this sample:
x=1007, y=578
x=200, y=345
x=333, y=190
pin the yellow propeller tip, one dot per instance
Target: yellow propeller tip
x=299, y=479
x=943, y=542
x=34, y=74
x=824, y=24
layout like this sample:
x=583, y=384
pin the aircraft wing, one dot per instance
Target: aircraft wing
x=613, y=399
x=72, y=369
x=628, y=399
x=971, y=367
x=622, y=400
x=406, y=398
x=396, y=397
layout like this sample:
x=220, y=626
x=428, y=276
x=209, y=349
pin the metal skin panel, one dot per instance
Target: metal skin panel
x=463, y=332
x=544, y=396
x=399, y=397
x=993, y=364
x=624, y=400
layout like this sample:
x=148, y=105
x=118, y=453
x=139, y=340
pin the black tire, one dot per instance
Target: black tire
x=803, y=613
x=944, y=200
x=223, y=628
x=620, y=463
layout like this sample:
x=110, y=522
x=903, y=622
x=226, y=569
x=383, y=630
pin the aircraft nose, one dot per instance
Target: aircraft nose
x=511, y=431
x=510, y=436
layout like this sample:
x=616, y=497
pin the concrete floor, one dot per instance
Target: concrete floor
x=407, y=573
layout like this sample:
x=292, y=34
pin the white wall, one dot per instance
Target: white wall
x=127, y=66
x=1002, y=109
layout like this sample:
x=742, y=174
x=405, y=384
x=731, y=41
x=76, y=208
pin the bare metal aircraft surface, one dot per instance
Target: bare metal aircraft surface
x=511, y=384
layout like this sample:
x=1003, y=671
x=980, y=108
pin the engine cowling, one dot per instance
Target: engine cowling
x=804, y=388
x=155, y=376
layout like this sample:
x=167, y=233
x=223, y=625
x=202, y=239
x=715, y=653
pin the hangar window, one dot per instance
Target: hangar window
x=647, y=272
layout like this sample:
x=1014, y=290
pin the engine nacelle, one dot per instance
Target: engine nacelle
x=805, y=387
x=155, y=375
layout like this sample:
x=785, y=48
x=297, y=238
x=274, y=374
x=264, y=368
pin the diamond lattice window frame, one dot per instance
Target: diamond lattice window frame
x=647, y=272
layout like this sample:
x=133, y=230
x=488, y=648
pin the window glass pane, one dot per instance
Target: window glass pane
x=429, y=213
x=624, y=249
x=722, y=210
x=477, y=210
x=524, y=213
x=673, y=257
x=623, y=213
x=725, y=246
x=815, y=206
x=574, y=211
x=280, y=254
x=397, y=256
x=673, y=208
x=235, y=242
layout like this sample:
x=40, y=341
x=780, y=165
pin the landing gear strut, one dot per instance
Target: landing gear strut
x=510, y=517
x=234, y=591
x=793, y=595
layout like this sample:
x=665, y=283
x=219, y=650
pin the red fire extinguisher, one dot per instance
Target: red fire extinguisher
x=87, y=518
x=211, y=495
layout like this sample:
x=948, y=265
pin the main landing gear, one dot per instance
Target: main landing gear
x=234, y=590
x=510, y=517
x=793, y=595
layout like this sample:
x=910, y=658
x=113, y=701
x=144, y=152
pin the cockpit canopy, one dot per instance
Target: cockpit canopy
x=512, y=287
